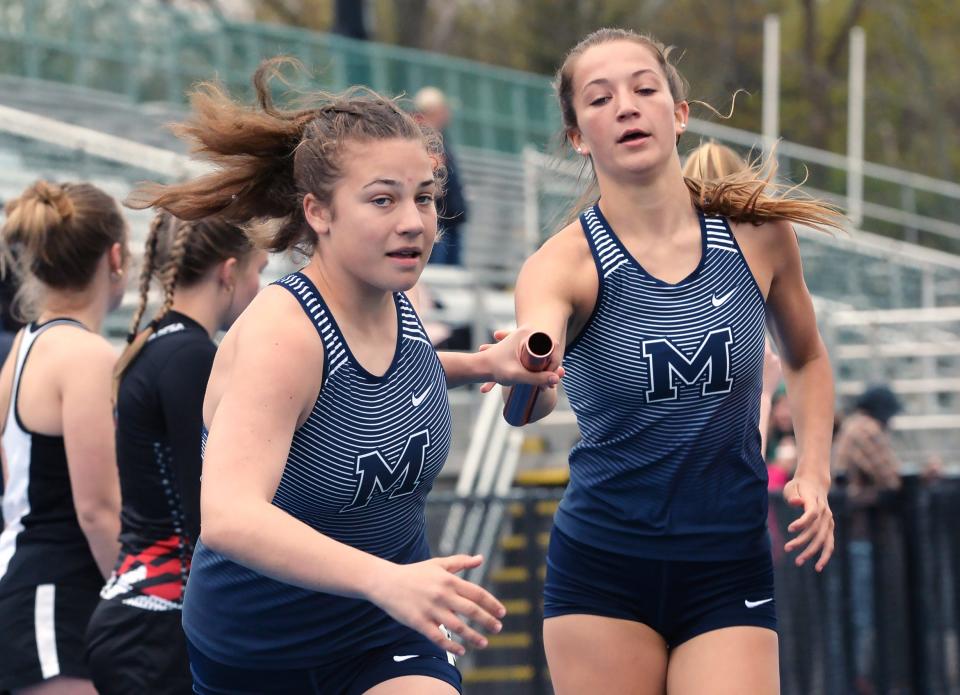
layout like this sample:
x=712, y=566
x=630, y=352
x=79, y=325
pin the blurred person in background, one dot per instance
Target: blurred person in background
x=863, y=455
x=780, y=422
x=62, y=502
x=863, y=452
x=209, y=271
x=433, y=109
x=9, y=284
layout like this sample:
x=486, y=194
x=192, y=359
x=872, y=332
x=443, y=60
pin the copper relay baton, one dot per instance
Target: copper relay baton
x=535, y=357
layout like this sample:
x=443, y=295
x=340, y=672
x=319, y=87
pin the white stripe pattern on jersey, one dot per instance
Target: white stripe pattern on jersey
x=395, y=423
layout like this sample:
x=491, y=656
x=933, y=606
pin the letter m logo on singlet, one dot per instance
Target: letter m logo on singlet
x=711, y=363
x=375, y=473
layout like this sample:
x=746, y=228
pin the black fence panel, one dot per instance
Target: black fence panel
x=883, y=618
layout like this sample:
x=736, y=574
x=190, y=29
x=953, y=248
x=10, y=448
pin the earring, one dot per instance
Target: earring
x=683, y=125
x=116, y=274
x=579, y=150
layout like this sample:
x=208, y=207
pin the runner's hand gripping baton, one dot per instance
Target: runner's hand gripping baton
x=535, y=356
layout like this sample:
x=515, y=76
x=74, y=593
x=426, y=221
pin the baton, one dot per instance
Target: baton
x=535, y=356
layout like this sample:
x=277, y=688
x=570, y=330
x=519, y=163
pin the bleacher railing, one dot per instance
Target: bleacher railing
x=149, y=52
x=152, y=52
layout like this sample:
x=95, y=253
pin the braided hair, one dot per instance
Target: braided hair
x=178, y=254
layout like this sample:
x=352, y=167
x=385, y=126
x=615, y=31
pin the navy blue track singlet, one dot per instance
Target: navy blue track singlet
x=665, y=381
x=359, y=470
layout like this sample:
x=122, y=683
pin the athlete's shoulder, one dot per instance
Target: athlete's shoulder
x=76, y=345
x=772, y=236
x=276, y=325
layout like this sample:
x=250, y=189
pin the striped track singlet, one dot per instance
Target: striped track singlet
x=358, y=471
x=665, y=381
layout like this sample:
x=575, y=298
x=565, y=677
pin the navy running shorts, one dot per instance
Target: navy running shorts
x=416, y=656
x=677, y=599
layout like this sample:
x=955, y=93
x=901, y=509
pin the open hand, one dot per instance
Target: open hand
x=426, y=595
x=814, y=528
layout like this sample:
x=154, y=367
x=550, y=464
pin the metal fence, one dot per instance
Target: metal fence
x=883, y=618
x=151, y=52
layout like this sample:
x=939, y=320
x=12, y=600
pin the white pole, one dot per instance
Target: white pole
x=771, y=81
x=858, y=43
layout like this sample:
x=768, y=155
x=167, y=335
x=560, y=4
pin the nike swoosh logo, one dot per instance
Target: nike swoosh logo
x=754, y=604
x=720, y=301
x=405, y=657
x=417, y=400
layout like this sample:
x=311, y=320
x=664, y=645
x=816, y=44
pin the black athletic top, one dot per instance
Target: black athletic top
x=42, y=542
x=159, y=420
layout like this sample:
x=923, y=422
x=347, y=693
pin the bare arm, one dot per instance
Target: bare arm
x=498, y=364
x=551, y=301
x=89, y=440
x=264, y=399
x=809, y=380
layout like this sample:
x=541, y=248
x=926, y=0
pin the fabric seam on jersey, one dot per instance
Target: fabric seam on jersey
x=602, y=280
x=743, y=258
x=282, y=282
x=162, y=454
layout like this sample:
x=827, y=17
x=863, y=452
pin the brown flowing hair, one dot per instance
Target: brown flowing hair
x=268, y=158
x=749, y=195
x=178, y=254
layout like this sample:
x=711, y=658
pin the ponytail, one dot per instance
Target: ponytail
x=268, y=158
x=753, y=195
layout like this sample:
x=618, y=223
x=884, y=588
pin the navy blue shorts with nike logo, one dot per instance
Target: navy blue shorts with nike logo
x=678, y=599
x=416, y=656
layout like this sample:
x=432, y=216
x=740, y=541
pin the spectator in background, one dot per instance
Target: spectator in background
x=781, y=423
x=864, y=454
x=434, y=110
x=9, y=284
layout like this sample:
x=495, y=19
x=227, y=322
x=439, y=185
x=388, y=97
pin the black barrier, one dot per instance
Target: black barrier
x=884, y=617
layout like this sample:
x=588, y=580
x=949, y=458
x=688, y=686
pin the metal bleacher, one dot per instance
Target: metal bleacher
x=515, y=193
x=86, y=99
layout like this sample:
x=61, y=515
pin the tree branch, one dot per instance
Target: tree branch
x=840, y=39
x=284, y=12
